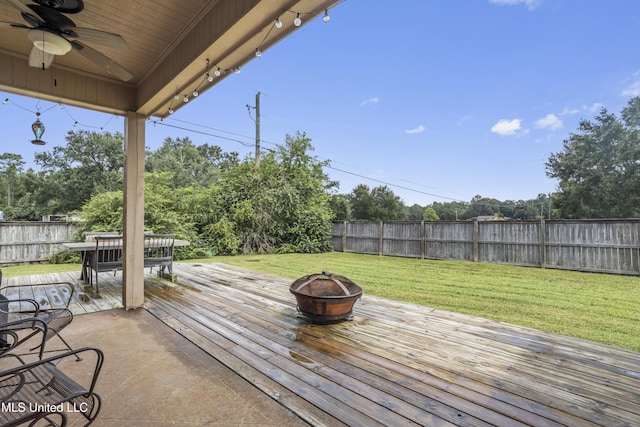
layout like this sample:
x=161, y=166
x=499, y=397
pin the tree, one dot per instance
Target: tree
x=598, y=170
x=284, y=207
x=415, y=212
x=378, y=204
x=361, y=202
x=483, y=206
x=430, y=214
x=190, y=165
x=451, y=211
x=341, y=207
x=90, y=163
x=10, y=166
x=386, y=205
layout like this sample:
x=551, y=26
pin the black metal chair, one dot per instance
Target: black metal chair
x=158, y=252
x=41, y=392
x=13, y=334
x=46, y=302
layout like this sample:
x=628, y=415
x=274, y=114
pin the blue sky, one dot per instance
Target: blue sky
x=442, y=100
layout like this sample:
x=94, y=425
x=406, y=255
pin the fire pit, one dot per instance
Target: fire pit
x=325, y=297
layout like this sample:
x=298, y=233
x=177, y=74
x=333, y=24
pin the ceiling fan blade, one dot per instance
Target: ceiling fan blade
x=96, y=36
x=39, y=58
x=105, y=62
x=26, y=10
x=12, y=25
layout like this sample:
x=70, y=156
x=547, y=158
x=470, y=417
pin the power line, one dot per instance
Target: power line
x=247, y=144
x=203, y=133
x=395, y=185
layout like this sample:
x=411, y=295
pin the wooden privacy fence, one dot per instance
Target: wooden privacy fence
x=22, y=242
x=611, y=246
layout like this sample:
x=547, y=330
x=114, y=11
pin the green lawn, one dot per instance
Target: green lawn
x=597, y=307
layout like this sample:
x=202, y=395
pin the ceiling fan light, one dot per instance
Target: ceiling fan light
x=49, y=42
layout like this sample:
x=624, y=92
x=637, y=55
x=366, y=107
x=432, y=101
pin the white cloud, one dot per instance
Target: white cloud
x=506, y=127
x=419, y=129
x=593, y=108
x=569, y=111
x=633, y=90
x=531, y=4
x=550, y=121
x=463, y=120
x=370, y=101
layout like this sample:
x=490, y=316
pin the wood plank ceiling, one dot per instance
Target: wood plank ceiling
x=169, y=44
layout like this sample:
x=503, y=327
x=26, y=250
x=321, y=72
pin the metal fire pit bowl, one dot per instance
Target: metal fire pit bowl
x=325, y=298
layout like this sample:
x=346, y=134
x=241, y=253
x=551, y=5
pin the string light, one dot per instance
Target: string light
x=38, y=127
x=219, y=71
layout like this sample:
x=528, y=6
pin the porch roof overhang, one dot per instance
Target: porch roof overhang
x=171, y=46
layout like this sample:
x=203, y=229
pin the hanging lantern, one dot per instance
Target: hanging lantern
x=38, y=130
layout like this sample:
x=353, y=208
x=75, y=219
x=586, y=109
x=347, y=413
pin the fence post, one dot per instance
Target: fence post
x=381, y=231
x=475, y=241
x=422, y=240
x=344, y=236
x=543, y=244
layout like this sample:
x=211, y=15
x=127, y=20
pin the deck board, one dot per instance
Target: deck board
x=394, y=364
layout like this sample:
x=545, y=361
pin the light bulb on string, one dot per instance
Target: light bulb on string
x=5, y=101
x=209, y=78
x=258, y=53
x=278, y=23
x=297, y=22
x=326, y=17
x=185, y=99
x=237, y=70
x=196, y=93
x=217, y=72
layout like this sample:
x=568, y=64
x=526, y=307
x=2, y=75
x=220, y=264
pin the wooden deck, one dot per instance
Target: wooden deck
x=394, y=363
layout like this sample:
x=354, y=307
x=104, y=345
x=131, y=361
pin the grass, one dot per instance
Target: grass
x=595, y=307
x=32, y=269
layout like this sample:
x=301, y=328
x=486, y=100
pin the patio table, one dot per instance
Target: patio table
x=88, y=249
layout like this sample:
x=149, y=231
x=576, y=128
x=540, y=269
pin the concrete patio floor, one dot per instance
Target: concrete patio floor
x=152, y=376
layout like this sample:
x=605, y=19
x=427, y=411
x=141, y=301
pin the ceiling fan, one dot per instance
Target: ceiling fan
x=53, y=33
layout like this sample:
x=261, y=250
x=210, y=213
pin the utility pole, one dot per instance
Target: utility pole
x=257, y=132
